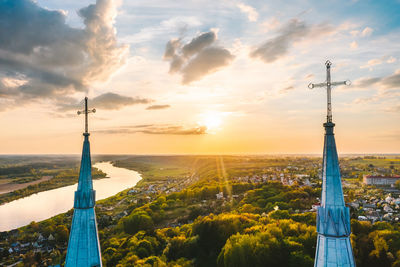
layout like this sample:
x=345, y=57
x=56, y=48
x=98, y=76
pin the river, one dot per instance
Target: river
x=43, y=205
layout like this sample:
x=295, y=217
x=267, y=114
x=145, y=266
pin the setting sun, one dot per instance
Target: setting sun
x=212, y=120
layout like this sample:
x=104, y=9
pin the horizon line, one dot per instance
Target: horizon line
x=199, y=154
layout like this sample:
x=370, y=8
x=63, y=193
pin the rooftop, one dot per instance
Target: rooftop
x=382, y=177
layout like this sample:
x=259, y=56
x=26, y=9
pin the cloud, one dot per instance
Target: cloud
x=156, y=130
x=371, y=63
x=294, y=30
x=50, y=58
x=378, y=61
x=391, y=60
x=309, y=76
x=354, y=45
x=395, y=109
x=286, y=89
x=170, y=48
x=176, y=130
x=199, y=43
x=388, y=88
x=207, y=61
x=108, y=101
x=366, y=82
x=367, y=32
x=387, y=135
x=270, y=24
x=364, y=100
x=197, y=58
x=388, y=82
x=385, y=83
x=391, y=81
x=165, y=28
x=250, y=11
x=354, y=33
x=155, y=107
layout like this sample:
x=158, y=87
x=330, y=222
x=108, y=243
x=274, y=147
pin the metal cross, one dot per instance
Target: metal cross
x=86, y=112
x=328, y=84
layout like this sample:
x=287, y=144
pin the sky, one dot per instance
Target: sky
x=198, y=77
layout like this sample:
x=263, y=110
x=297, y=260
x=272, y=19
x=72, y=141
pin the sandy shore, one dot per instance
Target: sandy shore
x=5, y=188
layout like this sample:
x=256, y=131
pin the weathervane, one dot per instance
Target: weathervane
x=328, y=84
x=86, y=112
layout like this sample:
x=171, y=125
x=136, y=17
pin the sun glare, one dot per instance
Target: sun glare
x=212, y=120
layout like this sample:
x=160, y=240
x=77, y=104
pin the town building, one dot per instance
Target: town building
x=380, y=180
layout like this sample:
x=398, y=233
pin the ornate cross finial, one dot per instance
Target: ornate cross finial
x=328, y=84
x=86, y=111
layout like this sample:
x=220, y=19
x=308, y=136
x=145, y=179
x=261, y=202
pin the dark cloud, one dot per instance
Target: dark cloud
x=171, y=47
x=156, y=129
x=114, y=101
x=291, y=32
x=50, y=58
x=392, y=81
x=206, y=61
x=365, y=82
x=388, y=82
x=387, y=87
x=139, y=126
x=199, y=43
x=26, y=26
x=153, y=107
x=109, y=101
x=388, y=136
x=176, y=64
x=176, y=130
x=197, y=58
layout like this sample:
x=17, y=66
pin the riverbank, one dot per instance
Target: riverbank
x=61, y=179
x=52, y=202
x=9, y=187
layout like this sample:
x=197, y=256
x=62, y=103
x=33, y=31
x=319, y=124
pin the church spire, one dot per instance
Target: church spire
x=333, y=217
x=83, y=246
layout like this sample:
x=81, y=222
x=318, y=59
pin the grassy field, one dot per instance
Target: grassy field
x=382, y=162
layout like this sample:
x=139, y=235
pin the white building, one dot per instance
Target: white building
x=380, y=180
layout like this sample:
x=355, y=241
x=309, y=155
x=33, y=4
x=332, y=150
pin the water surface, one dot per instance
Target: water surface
x=47, y=204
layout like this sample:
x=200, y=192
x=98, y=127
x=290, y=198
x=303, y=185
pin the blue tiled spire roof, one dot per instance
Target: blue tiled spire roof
x=333, y=217
x=83, y=246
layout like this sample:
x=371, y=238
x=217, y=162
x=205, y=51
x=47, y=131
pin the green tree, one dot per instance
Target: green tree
x=137, y=221
x=62, y=233
x=397, y=184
